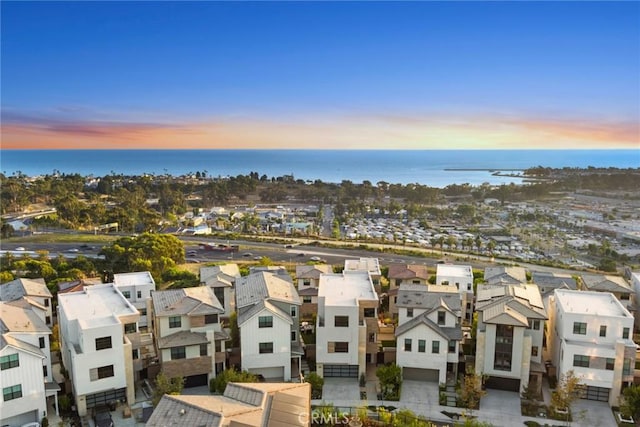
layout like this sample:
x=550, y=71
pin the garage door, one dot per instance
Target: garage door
x=276, y=372
x=508, y=384
x=195, y=380
x=600, y=394
x=419, y=374
x=18, y=420
x=344, y=371
x=106, y=397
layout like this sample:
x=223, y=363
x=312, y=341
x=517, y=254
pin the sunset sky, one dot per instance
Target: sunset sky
x=393, y=75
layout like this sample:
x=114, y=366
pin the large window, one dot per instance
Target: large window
x=422, y=345
x=435, y=347
x=103, y=343
x=175, y=321
x=204, y=350
x=504, y=348
x=10, y=361
x=342, y=347
x=452, y=346
x=306, y=300
x=210, y=319
x=441, y=317
x=407, y=344
x=265, y=321
x=101, y=372
x=266, y=347
x=13, y=392
x=610, y=364
x=369, y=312
x=130, y=328
x=341, y=321
x=178, y=353
x=580, y=361
x=580, y=328
x=625, y=333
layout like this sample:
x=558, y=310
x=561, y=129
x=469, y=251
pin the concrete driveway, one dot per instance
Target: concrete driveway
x=421, y=392
x=591, y=413
x=338, y=390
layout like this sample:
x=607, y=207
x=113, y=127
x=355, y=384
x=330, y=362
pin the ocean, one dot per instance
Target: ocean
x=427, y=167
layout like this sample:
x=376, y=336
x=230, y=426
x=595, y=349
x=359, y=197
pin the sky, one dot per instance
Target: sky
x=315, y=75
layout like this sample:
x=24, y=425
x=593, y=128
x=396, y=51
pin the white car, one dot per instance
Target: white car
x=20, y=248
x=315, y=258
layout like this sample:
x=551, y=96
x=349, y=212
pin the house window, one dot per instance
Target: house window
x=218, y=345
x=535, y=325
x=10, y=361
x=409, y=312
x=46, y=303
x=341, y=321
x=175, y=321
x=101, y=372
x=135, y=354
x=219, y=293
x=126, y=294
x=435, y=347
x=139, y=294
x=369, y=312
x=178, y=353
x=306, y=300
x=372, y=337
x=341, y=346
x=580, y=361
x=47, y=319
x=441, y=317
x=143, y=311
x=210, y=319
x=41, y=342
x=422, y=345
x=503, y=348
x=534, y=351
x=398, y=282
x=625, y=333
x=452, y=346
x=294, y=311
x=580, y=328
x=626, y=367
x=610, y=364
x=415, y=282
x=407, y=344
x=603, y=330
x=130, y=328
x=294, y=336
x=45, y=371
x=306, y=282
x=103, y=343
x=13, y=392
x=204, y=350
x=265, y=321
x=266, y=347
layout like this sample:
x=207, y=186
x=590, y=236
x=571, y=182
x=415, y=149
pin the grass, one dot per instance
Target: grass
x=64, y=238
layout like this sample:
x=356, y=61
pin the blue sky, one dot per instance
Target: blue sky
x=278, y=74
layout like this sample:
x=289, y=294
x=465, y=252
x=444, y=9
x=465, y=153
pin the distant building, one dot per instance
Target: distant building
x=505, y=275
x=400, y=274
x=347, y=324
x=308, y=278
x=370, y=265
x=460, y=278
x=222, y=280
x=617, y=285
x=591, y=334
x=548, y=282
x=136, y=287
x=34, y=291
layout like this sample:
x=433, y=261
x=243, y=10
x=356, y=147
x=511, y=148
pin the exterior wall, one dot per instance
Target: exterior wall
x=251, y=335
x=520, y=356
x=163, y=329
x=34, y=339
x=45, y=302
x=402, y=314
x=139, y=303
x=426, y=360
x=462, y=284
x=29, y=375
x=327, y=332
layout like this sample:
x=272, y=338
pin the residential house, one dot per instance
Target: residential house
x=269, y=320
x=308, y=278
x=136, y=287
x=370, y=265
x=222, y=280
x=189, y=338
x=243, y=404
x=510, y=334
x=26, y=377
x=428, y=334
x=461, y=278
x=548, y=281
x=634, y=277
x=347, y=324
x=34, y=291
x=98, y=329
x=505, y=275
x=400, y=274
x=617, y=285
x=591, y=334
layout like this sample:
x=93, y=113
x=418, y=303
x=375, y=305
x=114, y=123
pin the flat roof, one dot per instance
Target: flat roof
x=590, y=302
x=133, y=279
x=453, y=270
x=346, y=289
x=372, y=265
x=94, y=303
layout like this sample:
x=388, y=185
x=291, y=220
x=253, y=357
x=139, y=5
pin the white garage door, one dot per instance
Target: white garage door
x=419, y=374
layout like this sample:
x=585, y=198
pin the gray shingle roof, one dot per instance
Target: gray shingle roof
x=505, y=275
x=19, y=288
x=597, y=282
x=312, y=271
x=417, y=296
x=510, y=304
x=198, y=300
x=552, y=280
x=248, y=312
x=182, y=338
x=451, y=334
x=255, y=287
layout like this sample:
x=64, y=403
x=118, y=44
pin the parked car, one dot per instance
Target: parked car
x=102, y=417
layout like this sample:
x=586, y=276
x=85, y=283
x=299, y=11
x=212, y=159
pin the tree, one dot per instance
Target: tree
x=390, y=377
x=316, y=382
x=566, y=392
x=230, y=375
x=235, y=330
x=470, y=391
x=631, y=401
x=165, y=385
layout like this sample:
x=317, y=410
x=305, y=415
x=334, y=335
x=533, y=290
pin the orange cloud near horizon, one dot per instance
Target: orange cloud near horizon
x=322, y=132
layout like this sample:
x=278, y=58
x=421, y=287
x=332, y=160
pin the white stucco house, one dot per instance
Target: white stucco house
x=34, y=291
x=222, y=280
x=346, y=325
x=136, y=287
x=510, y=336
x=591, y=333
x=98, y=329
x=26, y=378
x=428, y=334
x=269, y=320
x=370, y=265
x=190, y=341
x=459, y=277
